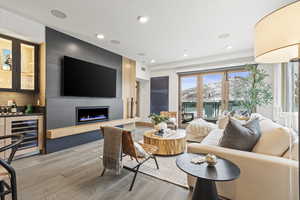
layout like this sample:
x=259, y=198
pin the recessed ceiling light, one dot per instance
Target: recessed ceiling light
x=143, y=19
x=115, y=42
x=228, y=47
x=185, y=55
x=152, y=61
x=58, y=14
x=224, y=36
x=100, y=36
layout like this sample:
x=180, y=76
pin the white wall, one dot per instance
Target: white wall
x=144, y=98
x=19, y=27
x=142, y=71
x=143, y=76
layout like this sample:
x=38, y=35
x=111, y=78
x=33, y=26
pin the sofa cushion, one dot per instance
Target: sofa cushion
x=241, y=137
x=275, y=139
x=293, y=153
x=198, y=129
x=258, y=116
x=223, y=121
x=213, y=138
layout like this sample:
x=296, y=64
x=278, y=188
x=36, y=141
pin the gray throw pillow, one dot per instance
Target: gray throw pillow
x=241, y=137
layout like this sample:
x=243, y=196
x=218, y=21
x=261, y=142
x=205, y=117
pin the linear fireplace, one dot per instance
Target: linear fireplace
x=91, y=114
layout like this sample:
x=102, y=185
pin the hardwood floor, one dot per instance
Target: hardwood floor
x=75, y=174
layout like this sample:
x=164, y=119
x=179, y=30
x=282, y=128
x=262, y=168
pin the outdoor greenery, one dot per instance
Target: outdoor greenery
x=253, y=90
x=156, y=119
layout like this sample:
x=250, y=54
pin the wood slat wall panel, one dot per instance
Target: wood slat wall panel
x=128, y=86
x=200, y=92
x=42, y=76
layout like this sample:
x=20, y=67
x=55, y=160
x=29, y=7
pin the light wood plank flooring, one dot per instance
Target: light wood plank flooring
x=75, y=174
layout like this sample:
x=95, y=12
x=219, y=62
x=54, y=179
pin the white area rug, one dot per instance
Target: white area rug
x=168, y=171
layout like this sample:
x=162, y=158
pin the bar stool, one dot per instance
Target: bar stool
x=6, y=170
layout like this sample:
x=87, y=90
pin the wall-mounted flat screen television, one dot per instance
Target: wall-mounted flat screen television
x=85, y=79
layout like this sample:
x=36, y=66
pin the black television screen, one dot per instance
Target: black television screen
x=81, y=78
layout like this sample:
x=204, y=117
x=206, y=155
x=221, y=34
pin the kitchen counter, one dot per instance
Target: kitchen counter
x=21, y=115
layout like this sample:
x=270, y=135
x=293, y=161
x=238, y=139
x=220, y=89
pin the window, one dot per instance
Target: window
x=290, y=87
x=207, y=94
x=212, y=87
x=188, y=98
x=236, y=82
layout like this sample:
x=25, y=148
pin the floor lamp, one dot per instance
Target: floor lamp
x=277, y=36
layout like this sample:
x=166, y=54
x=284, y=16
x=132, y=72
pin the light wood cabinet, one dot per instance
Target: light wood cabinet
x=129, y=87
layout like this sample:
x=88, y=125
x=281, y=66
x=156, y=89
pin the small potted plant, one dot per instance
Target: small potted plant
x=159, y=121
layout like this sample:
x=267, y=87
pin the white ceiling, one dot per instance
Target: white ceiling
x=174, y=25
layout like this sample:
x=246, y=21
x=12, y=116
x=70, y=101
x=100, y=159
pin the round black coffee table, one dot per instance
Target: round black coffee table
x=205, y=187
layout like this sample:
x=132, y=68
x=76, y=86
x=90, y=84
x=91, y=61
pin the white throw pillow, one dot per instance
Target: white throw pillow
x=293, y=153
x=198, y=129
x=275, y=139
x=213, y=138
x=259, y=116
x=222, y=122
x=140, y=150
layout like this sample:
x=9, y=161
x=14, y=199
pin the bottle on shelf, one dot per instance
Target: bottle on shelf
x=14, y=108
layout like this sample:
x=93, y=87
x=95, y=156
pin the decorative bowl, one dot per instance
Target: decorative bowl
x=211, y=159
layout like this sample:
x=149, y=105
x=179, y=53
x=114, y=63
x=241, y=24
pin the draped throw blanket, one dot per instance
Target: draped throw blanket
x=112, y=149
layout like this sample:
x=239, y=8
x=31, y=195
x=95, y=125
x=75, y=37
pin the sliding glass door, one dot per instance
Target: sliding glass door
x=188, y=98
x=208, y=94
x=212, y=95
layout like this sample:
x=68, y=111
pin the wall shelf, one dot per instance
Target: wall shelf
x=74, y=130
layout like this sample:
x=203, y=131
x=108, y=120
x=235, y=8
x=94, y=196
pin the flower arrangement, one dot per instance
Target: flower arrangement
x=157, y=119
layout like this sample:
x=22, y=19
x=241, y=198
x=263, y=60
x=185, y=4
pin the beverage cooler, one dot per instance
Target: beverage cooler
x=32, y=129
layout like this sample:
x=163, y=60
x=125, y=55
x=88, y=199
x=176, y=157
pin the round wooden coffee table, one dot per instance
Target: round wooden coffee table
x=170, y=144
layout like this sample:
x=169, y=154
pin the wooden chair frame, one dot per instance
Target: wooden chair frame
x=128, y=149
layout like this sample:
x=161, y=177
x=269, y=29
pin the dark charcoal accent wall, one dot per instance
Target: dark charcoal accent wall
x=71, y=141
x=159, y=94
x=60, y=110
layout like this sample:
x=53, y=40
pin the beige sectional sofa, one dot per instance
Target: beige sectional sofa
x=270, y=171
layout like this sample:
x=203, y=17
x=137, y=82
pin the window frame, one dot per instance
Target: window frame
x=288, y=87
x=200, y=98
